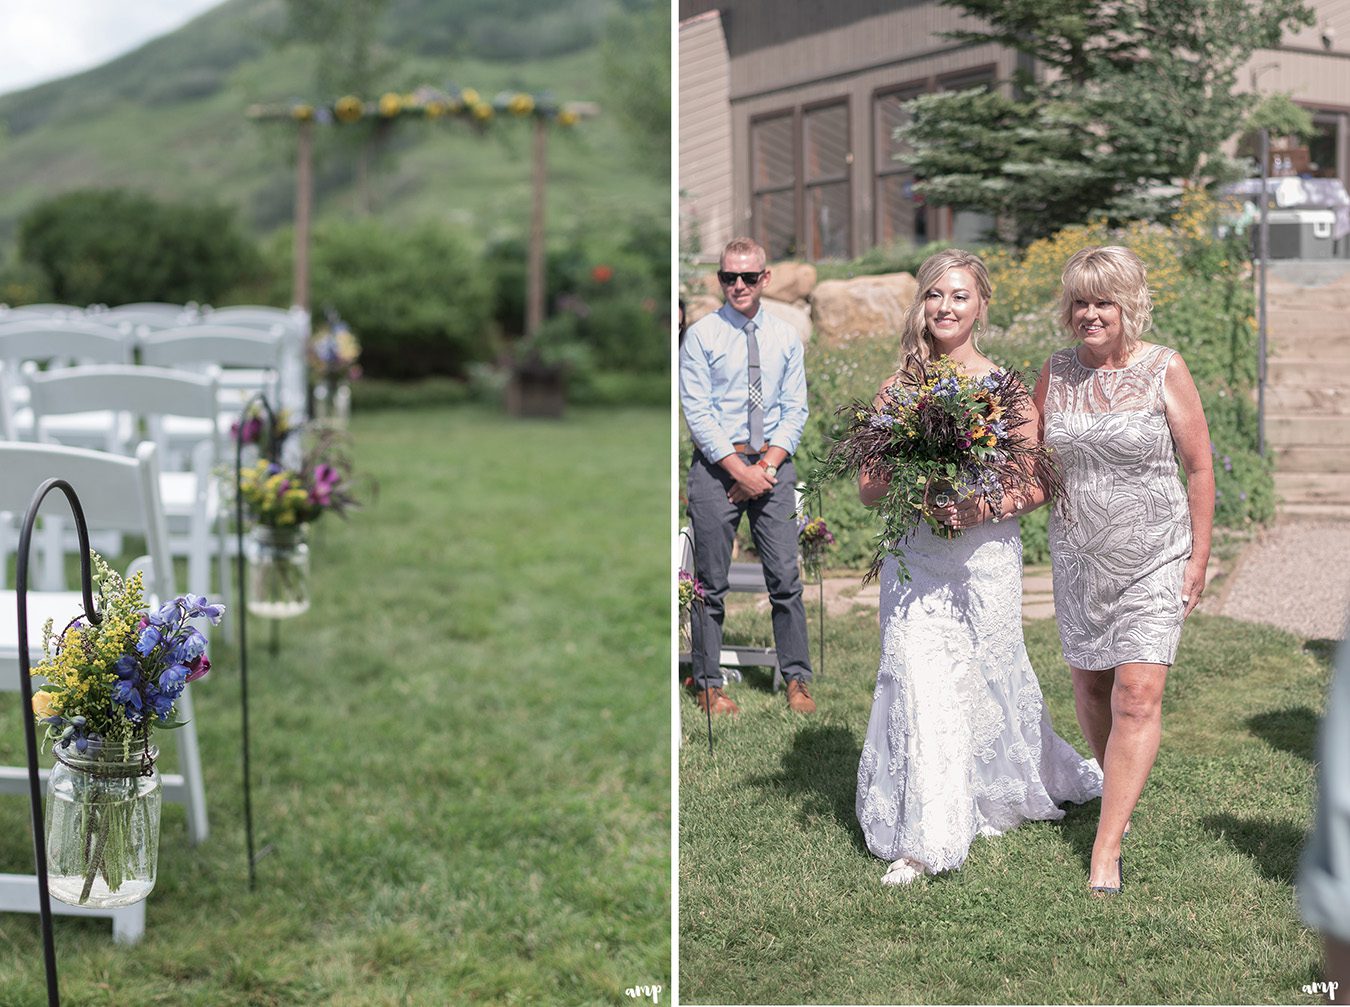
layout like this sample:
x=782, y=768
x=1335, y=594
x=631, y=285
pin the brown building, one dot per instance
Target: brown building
x=787, y=112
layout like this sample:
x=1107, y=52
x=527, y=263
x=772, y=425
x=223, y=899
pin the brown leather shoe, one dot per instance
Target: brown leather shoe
x=721, y=702
x=799, y=699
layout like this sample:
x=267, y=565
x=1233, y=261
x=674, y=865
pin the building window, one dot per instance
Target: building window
x=900, y=214
x=1324, y=147
x=800, y=200
x=825, y=156
x=773, y=167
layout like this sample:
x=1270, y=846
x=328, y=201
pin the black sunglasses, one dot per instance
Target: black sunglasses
x=729, y=278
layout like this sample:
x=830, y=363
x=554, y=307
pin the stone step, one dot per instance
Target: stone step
x=1303, y=371
x=1312, y=512
x=1313, y=487
x=1308, y=459
x=1291, y=430
x=1292, y=400
x=1300, y=322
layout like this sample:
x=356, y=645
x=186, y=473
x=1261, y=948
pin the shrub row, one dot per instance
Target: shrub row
x=427, y=300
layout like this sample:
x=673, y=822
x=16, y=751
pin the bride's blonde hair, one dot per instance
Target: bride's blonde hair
x=916, y=342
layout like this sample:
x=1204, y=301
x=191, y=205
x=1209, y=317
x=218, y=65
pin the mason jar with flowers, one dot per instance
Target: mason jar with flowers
x=334, y=352
x=281, y=503
x=108, y=687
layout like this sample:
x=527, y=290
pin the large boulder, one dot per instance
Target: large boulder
x=862, y=306
x=790, y=281
x=698, y=306
x=791, y=314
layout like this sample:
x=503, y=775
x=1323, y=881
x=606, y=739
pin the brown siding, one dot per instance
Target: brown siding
x=705, y=132
x=858, y=88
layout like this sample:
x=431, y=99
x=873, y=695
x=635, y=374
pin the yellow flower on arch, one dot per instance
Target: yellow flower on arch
x=348, y=108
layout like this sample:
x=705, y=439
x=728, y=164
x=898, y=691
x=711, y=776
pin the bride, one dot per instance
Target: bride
x=959, y=743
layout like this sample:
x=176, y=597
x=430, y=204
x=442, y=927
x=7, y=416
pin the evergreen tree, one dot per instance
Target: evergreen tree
x=1139, y=94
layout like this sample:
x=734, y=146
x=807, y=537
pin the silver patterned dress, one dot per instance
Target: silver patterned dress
x=1120, y=539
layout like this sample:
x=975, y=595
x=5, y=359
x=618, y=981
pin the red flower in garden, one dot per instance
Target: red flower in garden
x=602, y=274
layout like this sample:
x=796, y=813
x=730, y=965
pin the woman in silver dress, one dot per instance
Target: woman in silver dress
x=1128, y=543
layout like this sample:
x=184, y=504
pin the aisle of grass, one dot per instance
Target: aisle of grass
x=780, y=901
x=461, y=753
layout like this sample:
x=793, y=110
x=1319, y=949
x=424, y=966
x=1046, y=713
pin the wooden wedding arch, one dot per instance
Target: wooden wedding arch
x=465, y=105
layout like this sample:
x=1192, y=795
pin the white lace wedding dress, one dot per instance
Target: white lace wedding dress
x=959, y=743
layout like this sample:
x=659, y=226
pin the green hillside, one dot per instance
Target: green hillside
x=169, y=119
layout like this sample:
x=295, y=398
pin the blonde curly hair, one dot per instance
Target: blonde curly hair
x=1108, y=273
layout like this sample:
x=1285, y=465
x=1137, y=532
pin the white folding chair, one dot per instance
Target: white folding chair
x=249, y=362
x=30, y=311
x=117, y=493
x=294, y=325
x=190, y=493
x=26, y=343
x=143, y=318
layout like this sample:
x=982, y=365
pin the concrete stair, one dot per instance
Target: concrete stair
x=1308, y=389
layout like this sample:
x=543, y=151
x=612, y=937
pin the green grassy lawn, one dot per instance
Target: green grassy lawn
x=461, y=752
x=780, y=901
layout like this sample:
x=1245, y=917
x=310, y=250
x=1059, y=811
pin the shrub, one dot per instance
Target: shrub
x=418, y=298
x=608, y=293
x=113, y=246
x=23, y=283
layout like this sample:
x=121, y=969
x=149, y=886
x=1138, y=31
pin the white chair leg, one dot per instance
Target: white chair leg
x=190, y=762
x=19, y=894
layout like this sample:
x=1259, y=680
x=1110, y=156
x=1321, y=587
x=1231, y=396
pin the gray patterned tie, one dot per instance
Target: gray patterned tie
x=756, y=388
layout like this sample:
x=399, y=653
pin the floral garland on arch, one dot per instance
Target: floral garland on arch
x=427, y=102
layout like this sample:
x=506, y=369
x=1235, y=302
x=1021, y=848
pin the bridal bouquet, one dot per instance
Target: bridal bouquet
x=108, y=686
x=940, y=435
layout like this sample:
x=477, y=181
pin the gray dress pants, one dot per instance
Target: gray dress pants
x=773, y=526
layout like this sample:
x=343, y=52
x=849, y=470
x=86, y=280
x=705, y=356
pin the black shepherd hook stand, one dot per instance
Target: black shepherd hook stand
x=272, y=449
x=26, y=690
x=820, y=579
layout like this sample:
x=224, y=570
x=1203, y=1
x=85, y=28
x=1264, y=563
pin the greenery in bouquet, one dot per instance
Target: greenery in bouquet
x=814, y=540
x=939, y=434
x=280, y=497
x=333, y=352
x=109, y=685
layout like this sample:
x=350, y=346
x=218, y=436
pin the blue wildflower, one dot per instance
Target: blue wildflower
x=187, y=646
x=173, y=678
x=149, y=639
x=166, y=613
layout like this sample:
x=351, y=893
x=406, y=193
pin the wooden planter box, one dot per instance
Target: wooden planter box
x=537, y=391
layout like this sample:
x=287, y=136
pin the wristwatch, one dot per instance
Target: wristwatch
x=771, y=469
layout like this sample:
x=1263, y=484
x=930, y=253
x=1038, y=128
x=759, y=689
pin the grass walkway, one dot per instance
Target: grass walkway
x=461, y=753
x=781, y=903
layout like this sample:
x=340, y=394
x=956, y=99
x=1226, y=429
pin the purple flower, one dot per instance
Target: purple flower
x=198, y=668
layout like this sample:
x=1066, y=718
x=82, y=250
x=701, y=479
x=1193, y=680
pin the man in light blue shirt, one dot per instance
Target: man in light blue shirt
x=743, y=392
